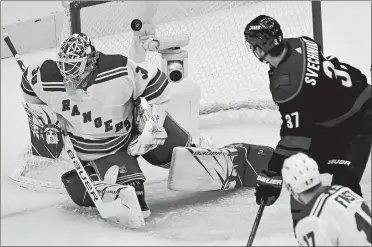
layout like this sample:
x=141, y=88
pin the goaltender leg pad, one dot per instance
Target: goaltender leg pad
x=207, y=169
x=177, y=136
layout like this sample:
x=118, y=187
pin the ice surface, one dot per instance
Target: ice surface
x=209, y=218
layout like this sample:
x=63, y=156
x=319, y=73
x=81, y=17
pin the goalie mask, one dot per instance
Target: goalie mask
x=262, y=35
x=76, y=60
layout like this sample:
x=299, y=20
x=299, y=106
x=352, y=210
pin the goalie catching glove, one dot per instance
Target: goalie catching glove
x=149, y=120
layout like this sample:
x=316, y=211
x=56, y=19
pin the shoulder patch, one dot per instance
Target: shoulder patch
x=281, y=88
x=111, y=67
x=286, y=81
x=49, y=72
x=51, y=78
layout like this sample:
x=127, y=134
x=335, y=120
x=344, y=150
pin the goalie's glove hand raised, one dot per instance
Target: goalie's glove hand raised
x=268, y=187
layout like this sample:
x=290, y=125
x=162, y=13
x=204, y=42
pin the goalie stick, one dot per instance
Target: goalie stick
x=14, y=52
x=105, y=209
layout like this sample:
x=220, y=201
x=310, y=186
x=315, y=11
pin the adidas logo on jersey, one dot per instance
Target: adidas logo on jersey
x=341, y=162
x=269, y=180
x=298, y=50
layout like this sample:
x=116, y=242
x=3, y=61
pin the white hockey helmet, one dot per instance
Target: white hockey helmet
x=300, y=173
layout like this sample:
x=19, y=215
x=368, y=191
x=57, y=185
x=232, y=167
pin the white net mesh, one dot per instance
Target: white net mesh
x=229, y=76
x=39, y=173
x=234, y=84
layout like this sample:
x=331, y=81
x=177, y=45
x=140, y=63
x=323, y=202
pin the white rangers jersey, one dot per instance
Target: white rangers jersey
x=336, y=217
x=101, y=121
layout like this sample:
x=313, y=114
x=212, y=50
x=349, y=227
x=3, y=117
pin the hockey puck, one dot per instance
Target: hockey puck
x=136, y=25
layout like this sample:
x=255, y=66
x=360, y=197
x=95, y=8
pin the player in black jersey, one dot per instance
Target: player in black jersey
x=325, y=107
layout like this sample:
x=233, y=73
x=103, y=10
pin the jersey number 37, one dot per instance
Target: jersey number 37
x=292, y=120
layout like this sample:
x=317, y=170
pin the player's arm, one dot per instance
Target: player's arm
x=295, y=135
x=149, y=82
x=296, y=113
x=29, y=76
x=151, y=87
x=151, y=95
x=313, y=231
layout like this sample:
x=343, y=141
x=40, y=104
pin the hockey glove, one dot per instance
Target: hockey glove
x=149, y=139
x=144, y=112
x=268, y=187
x=148, y=120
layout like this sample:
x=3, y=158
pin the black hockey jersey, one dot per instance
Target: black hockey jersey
x=316, y=95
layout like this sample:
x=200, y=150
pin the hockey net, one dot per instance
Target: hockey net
x=234, y=84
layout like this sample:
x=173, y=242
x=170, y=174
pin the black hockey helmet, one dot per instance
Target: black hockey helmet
x=77, y=57
x=263, y=32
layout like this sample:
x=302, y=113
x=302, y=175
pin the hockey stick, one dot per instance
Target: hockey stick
x=107, y=209
x=256, y=222
x=14, y=52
